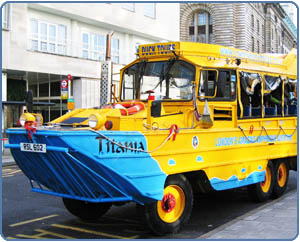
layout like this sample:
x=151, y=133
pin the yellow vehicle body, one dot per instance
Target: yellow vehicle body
x=222, y=151
x=189, y=117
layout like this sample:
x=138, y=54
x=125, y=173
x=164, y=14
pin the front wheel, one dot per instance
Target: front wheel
x=86, y=210
x=174, y=210
x=260, y=192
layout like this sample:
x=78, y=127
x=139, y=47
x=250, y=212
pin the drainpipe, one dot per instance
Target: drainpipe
x=106, y=70
x=108, y=45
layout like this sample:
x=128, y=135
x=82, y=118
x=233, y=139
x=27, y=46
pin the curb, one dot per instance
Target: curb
x=224, y=226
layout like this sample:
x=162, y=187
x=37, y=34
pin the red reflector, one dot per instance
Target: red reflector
x=151, y=97
x=108, y=124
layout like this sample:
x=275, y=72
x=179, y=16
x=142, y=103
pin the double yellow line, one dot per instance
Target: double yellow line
x=92, y=232
x=42, y=233
x=33, y=220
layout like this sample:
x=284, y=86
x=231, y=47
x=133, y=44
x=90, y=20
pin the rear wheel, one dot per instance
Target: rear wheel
x=174, y=210
x=261, y=191
x=281, y=170
x=86, y=210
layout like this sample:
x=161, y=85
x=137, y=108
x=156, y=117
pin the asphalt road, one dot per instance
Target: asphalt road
x=29, y=215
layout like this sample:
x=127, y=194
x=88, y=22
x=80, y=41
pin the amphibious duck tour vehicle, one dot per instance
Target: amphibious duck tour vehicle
x=189, y=118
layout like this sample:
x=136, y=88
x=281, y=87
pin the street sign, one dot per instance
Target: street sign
x=64, y=84
x=64, y=89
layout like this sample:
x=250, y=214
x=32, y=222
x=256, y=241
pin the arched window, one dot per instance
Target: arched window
x=200, y=29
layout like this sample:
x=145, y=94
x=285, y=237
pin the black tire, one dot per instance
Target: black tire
x=281, y=171
x=154, y=213
x=86, y=210
x=258, y=192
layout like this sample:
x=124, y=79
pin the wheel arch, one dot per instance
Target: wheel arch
x=199, y=181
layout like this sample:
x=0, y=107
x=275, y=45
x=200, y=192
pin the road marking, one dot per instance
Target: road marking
x=13, y=172
x=9, y=169
x=4, y=176
x=54, y=234
x=33, y=220
x=37, y=236
x=42, y=234
x=80, y=222
x=7, y=173
x=92, y=232
x=32, y=237
x=10, y=238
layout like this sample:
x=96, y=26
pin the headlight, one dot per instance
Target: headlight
x=96, y=121
x=26, y=117
x=38, y=119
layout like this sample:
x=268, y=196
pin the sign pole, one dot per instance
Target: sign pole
x=70, y=104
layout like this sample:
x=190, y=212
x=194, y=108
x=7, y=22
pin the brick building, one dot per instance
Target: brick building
x=257, y=27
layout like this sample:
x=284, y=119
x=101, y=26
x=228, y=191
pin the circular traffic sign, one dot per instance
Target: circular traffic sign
x=64, y=84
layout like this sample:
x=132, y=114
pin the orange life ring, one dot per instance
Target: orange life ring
x=131, y=107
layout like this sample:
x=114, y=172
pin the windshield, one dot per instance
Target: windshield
x=171, y=79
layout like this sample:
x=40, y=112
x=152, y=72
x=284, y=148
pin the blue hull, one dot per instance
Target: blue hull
x=82, y=165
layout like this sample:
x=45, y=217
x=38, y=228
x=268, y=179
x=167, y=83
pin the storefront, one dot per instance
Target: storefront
x=45, y=88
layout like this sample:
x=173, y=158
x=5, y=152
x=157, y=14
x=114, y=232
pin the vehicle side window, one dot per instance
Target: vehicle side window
x=273, y=96
x=218, y=85
x=226, y=85
x=290, y=92
x=290, y=97
x=208, y=80
x=251, y=87
x=129, y=83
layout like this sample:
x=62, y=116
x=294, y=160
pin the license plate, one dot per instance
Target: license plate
x=30, y=147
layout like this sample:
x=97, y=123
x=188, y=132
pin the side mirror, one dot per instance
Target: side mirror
x=29, y=101
x=156, y=108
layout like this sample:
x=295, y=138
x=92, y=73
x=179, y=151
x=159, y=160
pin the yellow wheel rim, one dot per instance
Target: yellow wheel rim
x=171, y=207
x=281, y=175
x=266, y=184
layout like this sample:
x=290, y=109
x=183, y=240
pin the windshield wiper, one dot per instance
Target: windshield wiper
x=141, y=70
x=164, y=74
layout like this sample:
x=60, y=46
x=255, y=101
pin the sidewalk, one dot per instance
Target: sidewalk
x=274, y=221
x=7, y=158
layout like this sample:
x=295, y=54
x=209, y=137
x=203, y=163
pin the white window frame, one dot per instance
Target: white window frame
x=83, y=45
x=147, y=10
x=58, y=44
x=92, y=51
x=6, y=19
x=129, y=6
x=196, y=37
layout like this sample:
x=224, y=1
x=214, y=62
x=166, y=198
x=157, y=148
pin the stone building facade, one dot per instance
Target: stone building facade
x=256, y=27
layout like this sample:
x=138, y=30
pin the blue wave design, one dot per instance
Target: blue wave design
x=172, y=162
x=234, y=182
x=199, y=159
